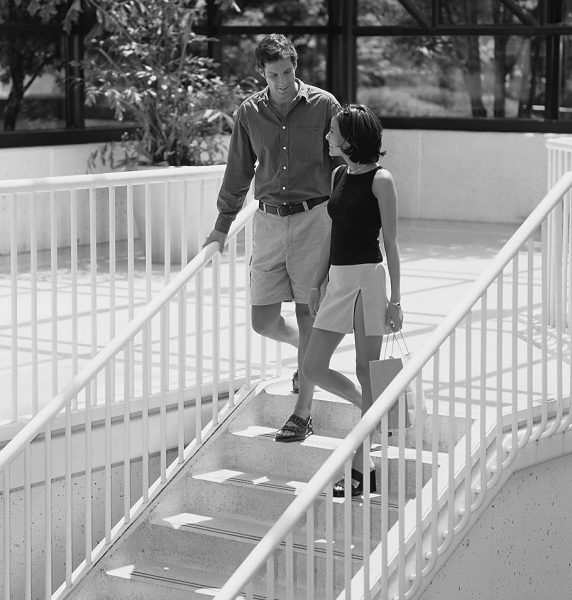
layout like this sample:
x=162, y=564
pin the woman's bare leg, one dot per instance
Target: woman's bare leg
x=368, y=348
x=316, y=366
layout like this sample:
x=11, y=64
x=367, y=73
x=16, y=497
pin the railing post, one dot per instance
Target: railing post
x=559, y=229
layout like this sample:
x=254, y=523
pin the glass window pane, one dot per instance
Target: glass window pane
x=278, y=12
x=238, y=57
x=565, y=109
x=488, y=12
x=452, y=76
x=567, y=12
x=32, y=94
x=391, y=12
x=450, y=12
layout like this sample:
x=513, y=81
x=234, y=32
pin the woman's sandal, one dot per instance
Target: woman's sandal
x=356, y=483
x=295, y=429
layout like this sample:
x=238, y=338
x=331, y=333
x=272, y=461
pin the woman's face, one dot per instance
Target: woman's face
x=335, y=139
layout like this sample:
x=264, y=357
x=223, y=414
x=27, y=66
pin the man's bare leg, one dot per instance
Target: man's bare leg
x=268, y=321
x=305, y=321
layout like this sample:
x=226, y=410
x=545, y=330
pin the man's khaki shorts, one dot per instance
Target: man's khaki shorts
x=285, y=251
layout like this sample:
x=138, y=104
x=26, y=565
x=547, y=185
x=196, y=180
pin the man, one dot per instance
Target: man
x=279, y=139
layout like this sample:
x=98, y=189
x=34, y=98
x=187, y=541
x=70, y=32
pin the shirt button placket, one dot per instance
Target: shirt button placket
x=284, y=161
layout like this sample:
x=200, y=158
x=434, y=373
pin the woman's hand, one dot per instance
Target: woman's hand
x=394, y=317
x=314, y=301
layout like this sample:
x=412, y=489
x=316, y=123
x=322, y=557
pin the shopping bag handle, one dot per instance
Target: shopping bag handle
x=395, y=340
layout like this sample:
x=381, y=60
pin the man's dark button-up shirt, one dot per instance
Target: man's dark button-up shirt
x=287, y=154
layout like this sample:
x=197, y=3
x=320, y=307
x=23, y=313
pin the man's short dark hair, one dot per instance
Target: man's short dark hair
x=362, y=132
x=274, y=47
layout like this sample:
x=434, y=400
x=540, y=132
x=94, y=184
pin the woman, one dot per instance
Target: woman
x=363, y=201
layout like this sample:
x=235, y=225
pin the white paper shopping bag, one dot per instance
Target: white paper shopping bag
x=383, y=371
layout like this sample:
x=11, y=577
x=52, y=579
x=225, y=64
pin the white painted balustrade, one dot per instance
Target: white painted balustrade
x=81, y=470
x=80, y=256
x=496, y=378
x=559, y=230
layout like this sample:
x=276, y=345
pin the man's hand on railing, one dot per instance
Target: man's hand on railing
x=216, y=236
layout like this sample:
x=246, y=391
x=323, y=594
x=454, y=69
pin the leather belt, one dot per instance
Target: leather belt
x=291, y=208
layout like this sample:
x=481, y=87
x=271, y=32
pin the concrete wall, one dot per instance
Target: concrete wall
x=30, y=163
x=521, y=547
x=44, y=161
x=467, y=176
x=58, y=523
x=451, y=175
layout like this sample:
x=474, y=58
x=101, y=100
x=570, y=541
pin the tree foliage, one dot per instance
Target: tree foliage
x=148, y=64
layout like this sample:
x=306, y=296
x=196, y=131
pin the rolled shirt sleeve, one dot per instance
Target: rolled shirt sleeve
x=238, y=174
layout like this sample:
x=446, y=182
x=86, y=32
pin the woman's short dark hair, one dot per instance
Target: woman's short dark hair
x=274, y=47
x=362, y=132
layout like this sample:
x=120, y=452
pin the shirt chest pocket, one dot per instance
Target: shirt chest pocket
x=307, y=143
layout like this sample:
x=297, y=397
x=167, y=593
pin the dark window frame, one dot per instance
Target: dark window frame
x=342, y=33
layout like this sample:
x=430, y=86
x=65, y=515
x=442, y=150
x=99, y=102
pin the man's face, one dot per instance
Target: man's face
x=281, y=78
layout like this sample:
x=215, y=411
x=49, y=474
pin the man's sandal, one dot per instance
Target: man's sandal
x=295, y=429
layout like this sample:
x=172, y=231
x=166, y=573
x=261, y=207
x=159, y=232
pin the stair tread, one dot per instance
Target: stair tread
x=281, y=484
x=190, y=577
x=239, y=528
x=275, y=483
x=200, y=582
x=242, y=527
x=331, y=443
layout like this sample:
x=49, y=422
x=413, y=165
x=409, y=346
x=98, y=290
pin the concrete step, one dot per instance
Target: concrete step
x=221, y=543
x=335, y=417
x=230, y=494
x=259, y=497
x=149, y=581
x=330, y=415
x=243, y=450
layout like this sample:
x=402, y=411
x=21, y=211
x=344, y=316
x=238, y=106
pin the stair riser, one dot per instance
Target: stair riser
x=165, y=546
x=441, y=423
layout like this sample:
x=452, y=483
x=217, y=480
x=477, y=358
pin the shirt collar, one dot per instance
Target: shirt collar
x=303, y=92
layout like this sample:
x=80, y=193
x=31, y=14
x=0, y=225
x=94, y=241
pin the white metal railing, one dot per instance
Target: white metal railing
x=496, y=377
x=559, y=162
x=72, y=480
x=79, y=258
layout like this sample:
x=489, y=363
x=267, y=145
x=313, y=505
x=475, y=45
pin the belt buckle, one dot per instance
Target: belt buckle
x=283, y=210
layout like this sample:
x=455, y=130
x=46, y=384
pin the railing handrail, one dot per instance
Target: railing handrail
x=69, y=182
x=559, y=143
x=40, y=421
x=335, y=462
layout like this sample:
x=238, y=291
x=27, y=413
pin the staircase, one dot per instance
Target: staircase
x=226, y=498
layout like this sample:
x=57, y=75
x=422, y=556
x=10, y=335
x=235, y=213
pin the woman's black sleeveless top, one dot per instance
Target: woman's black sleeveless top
x=356, y=221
